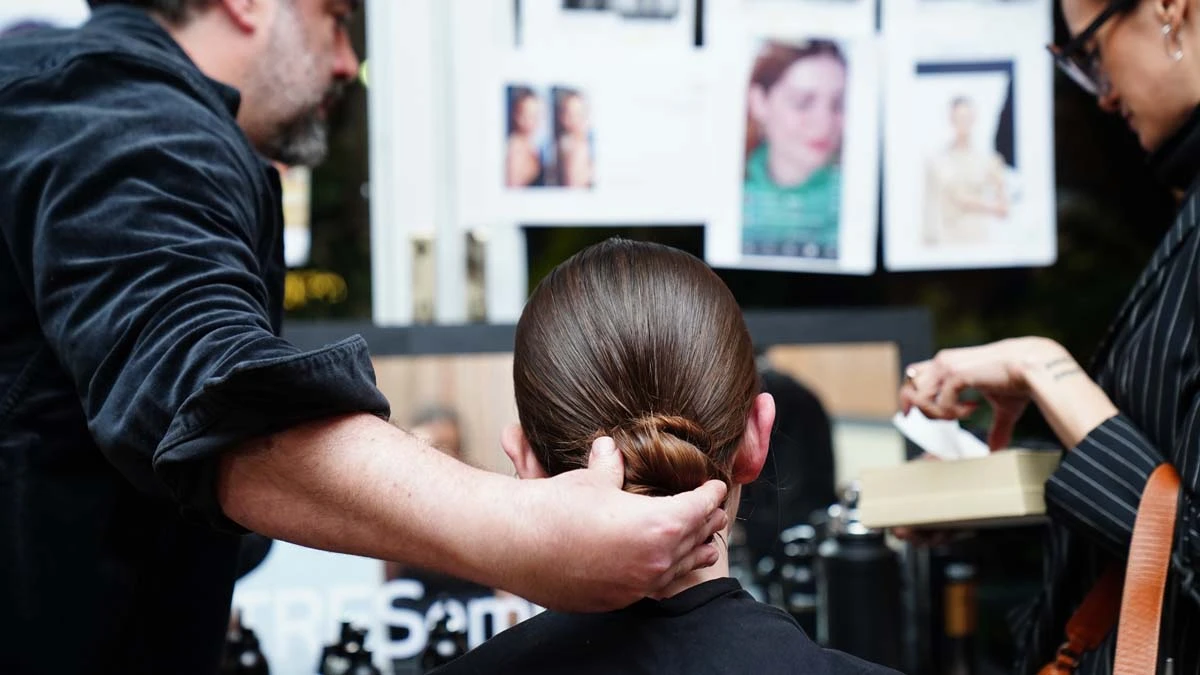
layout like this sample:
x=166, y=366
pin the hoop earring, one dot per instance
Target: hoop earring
x=1177, y=53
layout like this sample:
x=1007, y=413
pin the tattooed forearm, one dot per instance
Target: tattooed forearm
x=1062, y=367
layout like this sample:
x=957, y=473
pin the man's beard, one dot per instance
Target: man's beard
x=303, y=141
x=298, y=135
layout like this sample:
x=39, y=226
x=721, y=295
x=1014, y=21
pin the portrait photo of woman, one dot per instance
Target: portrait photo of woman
x=524, y=161
x=966, y=193
x=792, y=184
x=573, y=141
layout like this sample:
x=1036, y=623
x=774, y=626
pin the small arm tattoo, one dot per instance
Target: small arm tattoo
x=1067, y=373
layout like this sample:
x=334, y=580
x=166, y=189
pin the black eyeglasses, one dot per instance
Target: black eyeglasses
x=1082, y=64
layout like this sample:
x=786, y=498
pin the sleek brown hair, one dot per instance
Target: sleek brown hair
x=773, y=61
x=643, y=343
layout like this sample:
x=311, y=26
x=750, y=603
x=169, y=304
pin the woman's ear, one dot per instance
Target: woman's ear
x=1171, y=12
x=753, y=453
x=516, y=446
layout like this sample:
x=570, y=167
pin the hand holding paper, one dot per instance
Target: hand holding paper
x=944, y=439
x=996, y=370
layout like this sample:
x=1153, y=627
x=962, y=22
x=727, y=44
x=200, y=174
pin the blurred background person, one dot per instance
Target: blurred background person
x=965, y=190
x=573, y=139
x=798, y=476
x=523, y=165
x=792, y=189
x=439, y=425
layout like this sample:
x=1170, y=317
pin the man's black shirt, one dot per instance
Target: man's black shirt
x=714, y=627
x=141, y=283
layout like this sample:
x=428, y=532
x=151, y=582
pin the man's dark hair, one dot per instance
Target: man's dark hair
x=175, y=11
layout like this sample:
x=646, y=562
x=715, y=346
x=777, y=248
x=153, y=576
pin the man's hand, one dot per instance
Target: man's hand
x=599, y=548
x=358, y=485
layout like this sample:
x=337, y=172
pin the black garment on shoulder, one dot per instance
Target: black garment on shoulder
x=714, y=627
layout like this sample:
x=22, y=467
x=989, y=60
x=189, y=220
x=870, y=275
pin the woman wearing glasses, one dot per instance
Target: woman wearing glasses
x=1138, y=404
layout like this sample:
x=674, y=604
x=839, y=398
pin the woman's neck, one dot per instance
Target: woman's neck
x=788, y=173
x=719, y=570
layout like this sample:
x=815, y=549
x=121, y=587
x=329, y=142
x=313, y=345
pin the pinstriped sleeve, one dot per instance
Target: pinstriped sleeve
x=1099, y=485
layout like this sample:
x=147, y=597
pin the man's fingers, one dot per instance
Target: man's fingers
x=704, y=555
x=717, y=522
x=605, y=459
x=713, y=494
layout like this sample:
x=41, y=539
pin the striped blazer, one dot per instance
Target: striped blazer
x=1149, y=365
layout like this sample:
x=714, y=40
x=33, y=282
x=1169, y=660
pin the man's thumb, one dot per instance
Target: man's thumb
x=605, y=459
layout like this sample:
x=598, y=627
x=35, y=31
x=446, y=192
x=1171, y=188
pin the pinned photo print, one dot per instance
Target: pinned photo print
x=574, y=144
x=662, y=24
x=969, y=164
x=970, y=178
x=587, y=138
x=806, y=162
x=549, y=142
x=527, y=147
x=795, y=121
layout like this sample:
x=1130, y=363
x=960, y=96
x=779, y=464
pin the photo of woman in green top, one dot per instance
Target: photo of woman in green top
x=792, y=185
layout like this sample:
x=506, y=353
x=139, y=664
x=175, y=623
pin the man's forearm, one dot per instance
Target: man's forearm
x=359, y=485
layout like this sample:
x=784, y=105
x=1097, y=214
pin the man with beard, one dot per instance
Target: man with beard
x=149, y=412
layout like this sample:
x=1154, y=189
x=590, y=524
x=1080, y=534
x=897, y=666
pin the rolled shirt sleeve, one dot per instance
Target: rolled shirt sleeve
x=147, y=266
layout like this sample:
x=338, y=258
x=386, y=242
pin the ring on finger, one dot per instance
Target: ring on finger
x=910, y=375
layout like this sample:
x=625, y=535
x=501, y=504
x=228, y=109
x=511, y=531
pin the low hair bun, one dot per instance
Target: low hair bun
x=665, y=455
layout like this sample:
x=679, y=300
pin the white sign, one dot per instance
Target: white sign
x=297, y=598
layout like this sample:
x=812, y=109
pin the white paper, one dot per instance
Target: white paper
x=944, y=439
x=611, y=24
x=728, y=22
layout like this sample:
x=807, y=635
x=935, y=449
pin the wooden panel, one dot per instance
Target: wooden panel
x=852, y=380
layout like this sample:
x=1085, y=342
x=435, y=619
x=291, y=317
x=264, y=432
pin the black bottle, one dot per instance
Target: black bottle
x=858, y=588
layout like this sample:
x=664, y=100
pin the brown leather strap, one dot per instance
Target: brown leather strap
x=1140, y=605
x=1146, y=575
x=1090, y=623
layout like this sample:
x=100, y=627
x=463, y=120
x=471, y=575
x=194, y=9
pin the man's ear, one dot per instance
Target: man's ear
x=249, y=15
x=753, y=451
x=516, y=446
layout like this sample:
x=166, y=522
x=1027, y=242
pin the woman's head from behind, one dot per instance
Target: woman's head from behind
x=643, y=343
x=1145, y=57
x=796, y=102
